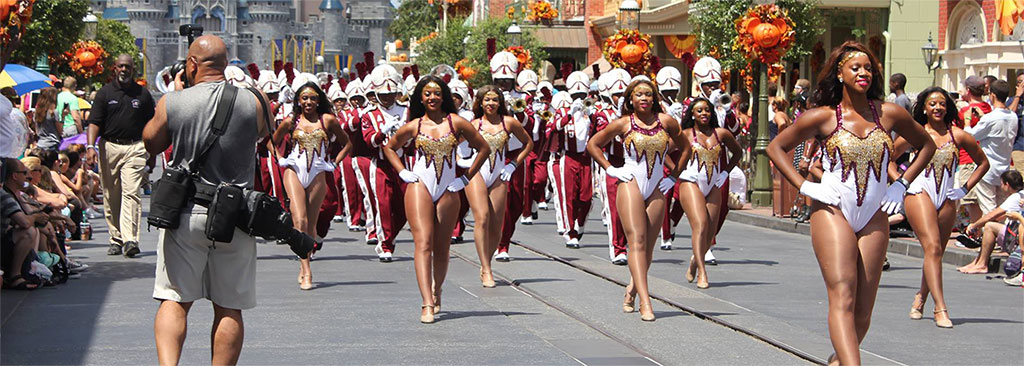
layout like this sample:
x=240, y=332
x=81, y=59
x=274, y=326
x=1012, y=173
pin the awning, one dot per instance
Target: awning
x=559, y=37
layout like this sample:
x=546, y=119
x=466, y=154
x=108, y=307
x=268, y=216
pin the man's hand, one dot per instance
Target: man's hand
x=178, y=83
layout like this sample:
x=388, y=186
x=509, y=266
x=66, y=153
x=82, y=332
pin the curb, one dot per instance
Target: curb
x=953, y=255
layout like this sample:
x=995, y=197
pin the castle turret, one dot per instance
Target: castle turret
x=335, y=34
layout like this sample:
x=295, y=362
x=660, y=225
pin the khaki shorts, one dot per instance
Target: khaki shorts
x=1017, y=157
x=963, y=174
x=989, y=196
x=190, y=267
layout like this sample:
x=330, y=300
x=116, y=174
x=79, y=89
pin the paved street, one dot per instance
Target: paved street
x=553, y=306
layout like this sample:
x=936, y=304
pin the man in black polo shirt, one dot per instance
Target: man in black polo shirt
x=119, y=114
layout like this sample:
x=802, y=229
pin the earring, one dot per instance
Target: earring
x=840, y=79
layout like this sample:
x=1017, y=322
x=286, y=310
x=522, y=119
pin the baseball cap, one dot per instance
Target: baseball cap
x=974, y=82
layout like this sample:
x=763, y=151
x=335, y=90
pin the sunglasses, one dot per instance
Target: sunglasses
x=21, y=171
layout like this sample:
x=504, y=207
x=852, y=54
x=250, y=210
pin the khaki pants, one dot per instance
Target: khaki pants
x=122, y=168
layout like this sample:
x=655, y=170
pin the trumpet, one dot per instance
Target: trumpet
x=589, y=103
x=518, y=105
x=546, y=115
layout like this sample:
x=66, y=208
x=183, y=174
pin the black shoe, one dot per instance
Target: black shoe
x=371, y=241
x=619, y=262
x=115, y=249
x=967, y=241
x=456, y=239
x=885, y=265
x=281, y=242
x=131, y=248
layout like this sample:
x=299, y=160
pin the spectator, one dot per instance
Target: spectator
x=67, y=108
x=20, y=127
x=995, y=133
x=991, y=225
x=45, y=123
x=898, y=82
x=8, y=129
x=989, y=79
x=1016, y=280
x=1017, y=107
x=119, y=113
x=19, y=230
x=974, y=89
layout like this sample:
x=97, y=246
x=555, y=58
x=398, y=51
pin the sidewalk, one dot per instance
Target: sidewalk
x=910, y=246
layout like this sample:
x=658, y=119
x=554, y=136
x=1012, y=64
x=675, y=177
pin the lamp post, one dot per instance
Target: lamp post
x=629, y=15
x=515, y=35
x=930, y=52
x=319, y=61
x=90, y=22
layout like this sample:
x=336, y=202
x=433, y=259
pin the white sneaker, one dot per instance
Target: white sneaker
x=338, y=219
x=543, y=206
x=502, y=257
x=666, y=245
x=1015, y=280
x=384, y=256
x=573, y=243
x=93, y=214
x=709, y=258
x=528, y=220
x=620, y=260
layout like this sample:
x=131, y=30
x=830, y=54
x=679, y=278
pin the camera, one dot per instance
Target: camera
x=191, y=31
x=264, y=217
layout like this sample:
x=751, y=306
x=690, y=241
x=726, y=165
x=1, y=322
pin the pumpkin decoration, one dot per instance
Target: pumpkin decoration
x=86, y=58
x=399, y=44
x=630, y=50
x=403, y=58
x=765, y=34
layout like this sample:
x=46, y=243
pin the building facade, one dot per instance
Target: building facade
x=972, y=44
x=257, y=32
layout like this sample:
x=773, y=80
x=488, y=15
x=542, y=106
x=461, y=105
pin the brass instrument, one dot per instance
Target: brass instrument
x=589, y=103
x=518, y=105
x=546, y=115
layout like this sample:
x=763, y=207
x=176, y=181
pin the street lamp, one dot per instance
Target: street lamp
x=348, y=12
x=629, y=15
x=515, y=35
x=320, y=61
x=974, y=37
x=930, y=52
x=90, y=22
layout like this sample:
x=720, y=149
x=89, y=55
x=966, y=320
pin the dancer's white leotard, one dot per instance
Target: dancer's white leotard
x=435, y=160
x=646, y=149
x=937, y=177
x=499, y=142
x=308, y=157
x=704, y=164
x=866, y=158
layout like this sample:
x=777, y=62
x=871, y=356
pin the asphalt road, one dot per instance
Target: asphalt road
x=553, y=305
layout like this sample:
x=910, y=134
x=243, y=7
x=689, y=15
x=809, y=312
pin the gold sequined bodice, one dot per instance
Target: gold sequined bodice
x=943, y=162
x=707, y=158
x=310, y=143
x=650, y=144
x=861, y=156
x=437, y=151
x=497, y=141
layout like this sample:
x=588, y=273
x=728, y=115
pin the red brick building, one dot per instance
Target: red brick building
x=971, y=43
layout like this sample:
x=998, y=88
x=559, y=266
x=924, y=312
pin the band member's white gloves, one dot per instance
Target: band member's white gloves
x=676, y=111
x=621, y=174
x=893, y=201
x=819, y=192
x=719, y=179
x=956, y=193
x=506, y=172
x=539, y=107
x=576, y=107
x=408, y=176
x=666, y=184
x=458, y=184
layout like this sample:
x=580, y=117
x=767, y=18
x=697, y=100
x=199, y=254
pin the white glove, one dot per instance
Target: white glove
x=819, y=192
x=392, y=126
x=458, y=184
x=408, y=176
x=720, y=178
x=539, y=107
x=506, y=172
x=893, y=200
x=666, y=184
x=956, y=193
x=676, y=111
x=577, y=106
x=621, y=174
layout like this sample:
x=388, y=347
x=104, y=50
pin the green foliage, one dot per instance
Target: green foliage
x=54, y=28
x=117, y=39
x=414, y=19
x=716, y=28
x=448, y=48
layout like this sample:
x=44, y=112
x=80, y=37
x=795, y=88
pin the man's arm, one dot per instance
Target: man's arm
x=156, y=136
x=96, y=117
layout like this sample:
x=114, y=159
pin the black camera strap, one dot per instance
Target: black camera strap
x=219, y=126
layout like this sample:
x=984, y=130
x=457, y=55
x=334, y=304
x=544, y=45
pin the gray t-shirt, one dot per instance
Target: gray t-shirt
x=904, y=101
x=232, y=159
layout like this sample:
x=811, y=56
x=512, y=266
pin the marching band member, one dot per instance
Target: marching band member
x=544, y=113
x=528, y=83
x=555, y=137
x=487, y=191
x=504, y=68
x=669, y=82
x=430, y=201
x=612, y=85
x=350, y=208
x=460, y=95
x=574, y=166
x=270, y=173
x=380, y=120
x=363, y=205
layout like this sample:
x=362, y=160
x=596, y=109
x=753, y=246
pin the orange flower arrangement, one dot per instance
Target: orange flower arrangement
x=541, y=10
x=86, y=58
x=463, y=69
x=765, y=34
x=14, y=16
x=522, y=56
x=425, y=38
x=630, y=50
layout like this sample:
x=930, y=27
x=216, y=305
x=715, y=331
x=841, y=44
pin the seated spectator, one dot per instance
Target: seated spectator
x=1016, y=280
x=20, y=233
x=992, y=224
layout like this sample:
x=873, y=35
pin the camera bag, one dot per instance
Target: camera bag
x=227, y=207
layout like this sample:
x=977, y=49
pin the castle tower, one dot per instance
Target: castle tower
x=335, y=35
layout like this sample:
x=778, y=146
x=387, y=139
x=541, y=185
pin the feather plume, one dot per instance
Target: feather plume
x=343, y=84
x=368, y=61
x=278, y=66
x=546, y=92
x=254, y=71
x=415, y=71
x=351, y=76
x=566, y=70
x=597, y=70
x=655, y=64
x=447, y=78
x=361, y=69
x=289, y=72
x=406, y=71
x=492, y=47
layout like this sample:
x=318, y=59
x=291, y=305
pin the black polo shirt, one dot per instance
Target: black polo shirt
x=122, y=113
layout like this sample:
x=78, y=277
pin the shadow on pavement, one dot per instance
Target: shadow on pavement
x=452, y=315
x=351, y=283
x=958, y=321
x=536, y=280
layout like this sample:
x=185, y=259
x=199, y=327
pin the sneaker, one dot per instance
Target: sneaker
x=528, y=220
x=115, y=249
x=620, y=260
x=131, y=248
x=542, y=206
x=709, y=258
x=666, y=245
x=384, y=257
x=92, y=214
x=456, y=239
x=372, y=241
x=502, y=257
x=885, y=264
x=356, y=228
x=573, y=243
x=76, y=267
x=338, y=219
x=1015, y=280
x=281, y=242
x=561, y=232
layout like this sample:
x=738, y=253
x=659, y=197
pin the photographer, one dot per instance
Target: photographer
x=189, y=265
